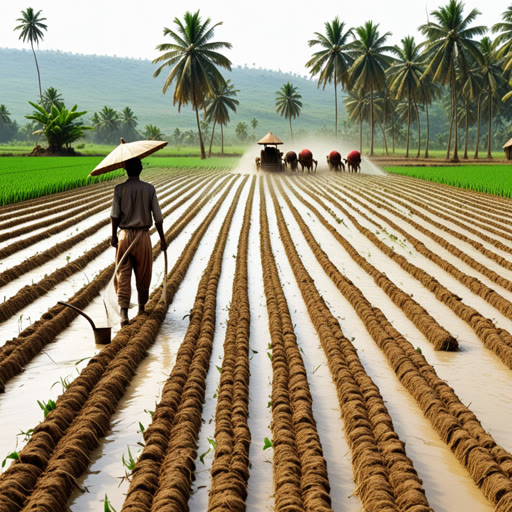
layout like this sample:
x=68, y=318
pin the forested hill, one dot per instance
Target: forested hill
x=92, y=81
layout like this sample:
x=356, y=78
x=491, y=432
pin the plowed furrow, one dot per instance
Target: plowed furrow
x=500, y=260
x=18, y=352
x=472, y=283
x=68, y=207
x=73, y=217
x=448, y=206
x=88, y=210
x=39, y=259
x=489, y=465
x=38, y=237
x=425, y=323
x=482, y=202
x=384, y=474
x=300, y=470
x=30, y=293
x=495, y=339
x=230, y=468
x=498, y=229
x=460, y=235
x=162, y=477
x=69, y=433
x=82, y=198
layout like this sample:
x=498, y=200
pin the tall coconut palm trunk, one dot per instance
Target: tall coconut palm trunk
x=489, y=128
x=478, y=125
x=371, y=119
x=419, y=128
x=201, y=143
x=465, y=157
x=448, y=149
x=335, y=106
x=428, y=130
x=456, y=136
x=408, y=128
x=383, y=130
x=361, y=131
x=196, y=107
x=38, y=73
x=211, y=140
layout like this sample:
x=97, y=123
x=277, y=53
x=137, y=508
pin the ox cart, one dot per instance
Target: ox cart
x=270, y=159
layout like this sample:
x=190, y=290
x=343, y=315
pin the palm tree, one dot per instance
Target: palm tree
x=449, y=46
x=428, y=92
x=152, y=132
x=108, y=124
x=5, y=123
x=217, y=107
x=505, y=37
x=492, y=80
x=189, y=137
x=129, y=123
x=367, y=73
x=384, y=104
x=52, y=97
x=32, y=26
x=466, y=112
x=357, y=106
x=5, y=115
x=332, y=62
x=241, y=131
x=254, y=124
x=178, y=137
x=194, y=60
x=288, y=103
x=405, y=75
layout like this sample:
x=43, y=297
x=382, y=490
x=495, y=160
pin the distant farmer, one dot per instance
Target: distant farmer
x=134, y=208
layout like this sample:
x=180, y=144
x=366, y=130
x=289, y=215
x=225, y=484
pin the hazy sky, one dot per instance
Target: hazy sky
x=271, y=34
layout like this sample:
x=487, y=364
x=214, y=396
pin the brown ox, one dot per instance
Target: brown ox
x=353, y=161
x=291, y=159
x=335, y=162
x=306, y=160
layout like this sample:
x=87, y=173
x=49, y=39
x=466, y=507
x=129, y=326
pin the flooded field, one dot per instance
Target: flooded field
x=326, y=341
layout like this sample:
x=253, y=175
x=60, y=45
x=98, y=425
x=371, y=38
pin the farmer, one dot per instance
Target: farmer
x=133, y=204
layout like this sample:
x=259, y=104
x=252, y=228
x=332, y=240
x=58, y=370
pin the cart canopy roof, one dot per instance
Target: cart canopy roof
x=270, y=138
x=507, y=145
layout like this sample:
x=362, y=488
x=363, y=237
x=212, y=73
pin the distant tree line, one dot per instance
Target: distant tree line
x=451, y=85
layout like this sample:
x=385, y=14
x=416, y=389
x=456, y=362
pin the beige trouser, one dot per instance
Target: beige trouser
x=140, y=259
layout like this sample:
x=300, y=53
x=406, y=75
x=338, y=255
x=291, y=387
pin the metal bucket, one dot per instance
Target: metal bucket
x=102, y=335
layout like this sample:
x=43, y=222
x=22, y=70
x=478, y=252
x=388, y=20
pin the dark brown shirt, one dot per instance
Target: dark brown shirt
x=134, y=202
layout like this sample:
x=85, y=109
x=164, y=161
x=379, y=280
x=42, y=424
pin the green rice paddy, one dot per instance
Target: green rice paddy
x=491, y=179
x=23, y=178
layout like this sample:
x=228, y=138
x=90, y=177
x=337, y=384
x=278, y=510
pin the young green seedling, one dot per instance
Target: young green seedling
x=47, y=407
x=268, y=443
x=27, y=434
x=64, y=382
x=107, y=506
x=11, y=456
x=212, y=444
